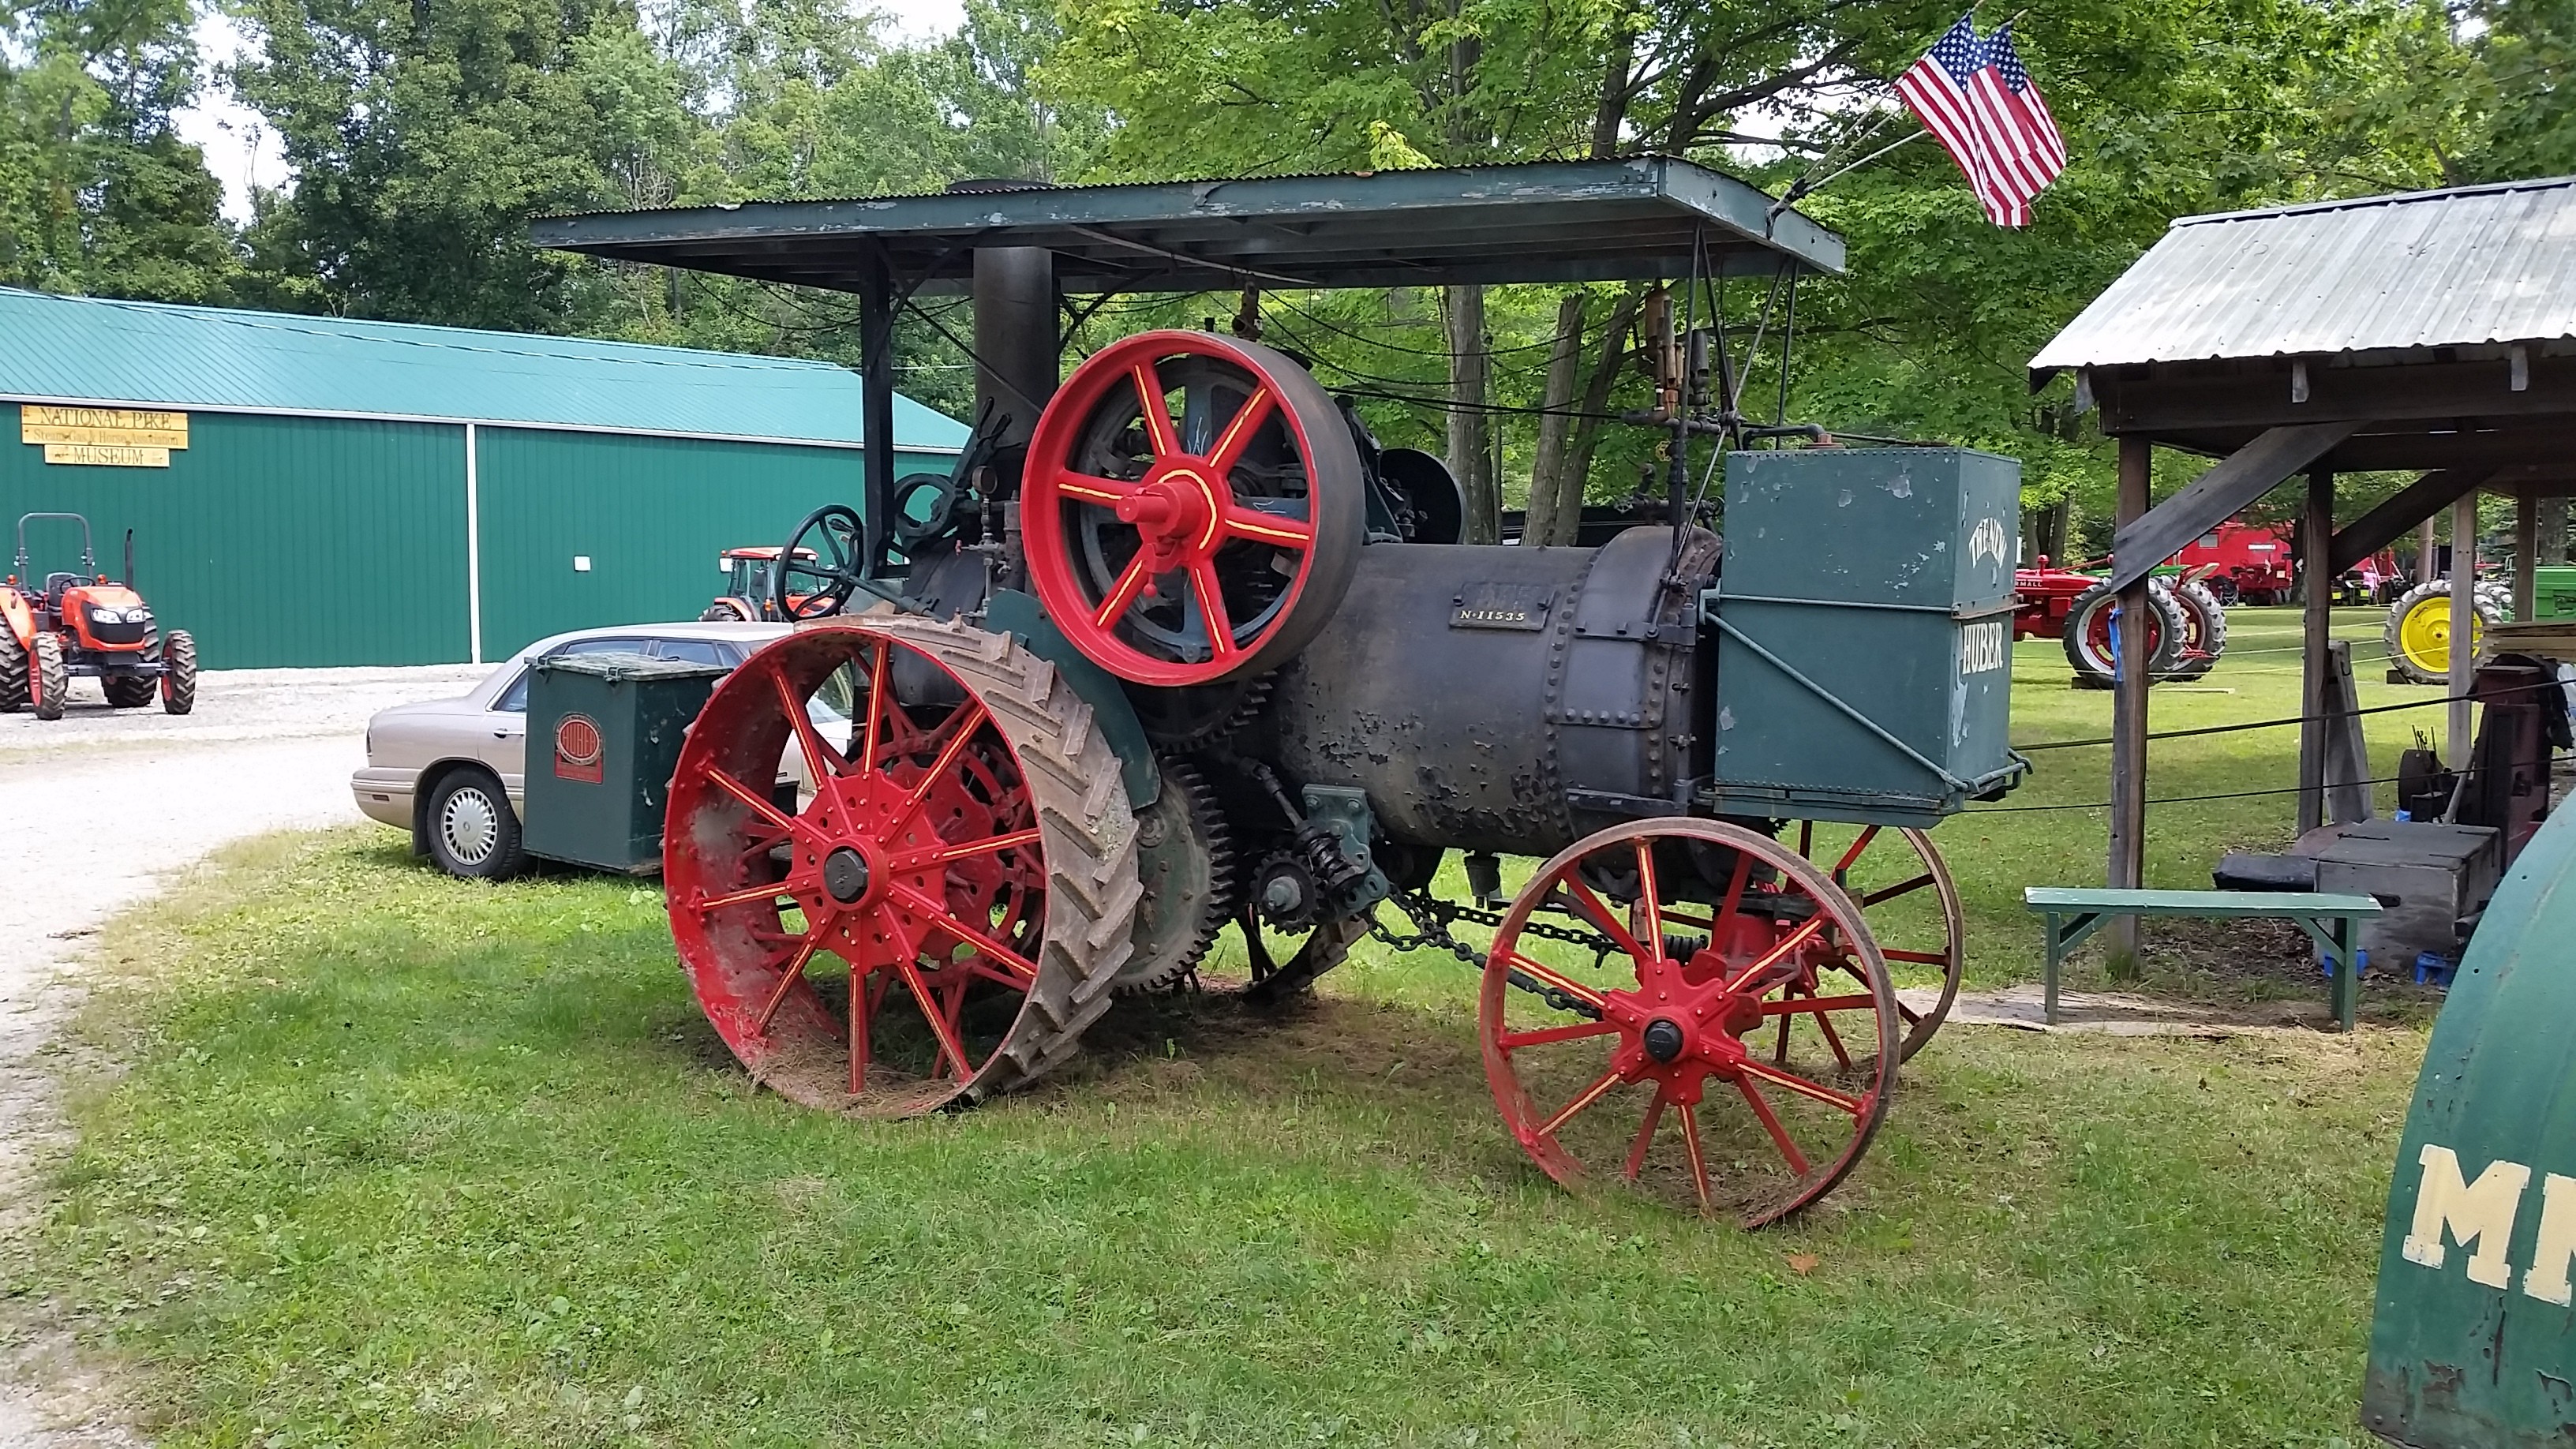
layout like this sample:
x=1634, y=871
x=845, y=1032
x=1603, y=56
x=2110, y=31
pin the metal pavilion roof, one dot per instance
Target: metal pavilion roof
x=1553, y=221
x=96, y=350
x=2465, y=267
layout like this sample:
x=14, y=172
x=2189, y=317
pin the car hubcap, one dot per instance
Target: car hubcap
x=471, y=826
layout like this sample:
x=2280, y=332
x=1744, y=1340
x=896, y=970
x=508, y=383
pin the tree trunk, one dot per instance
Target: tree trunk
x=1587, y=426
x=2553, y=532
x=1470, y=452
x=1613, y=107
x=1555, y=428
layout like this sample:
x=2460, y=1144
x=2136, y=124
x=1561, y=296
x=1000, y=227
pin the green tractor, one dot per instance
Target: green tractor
x=2418, y=633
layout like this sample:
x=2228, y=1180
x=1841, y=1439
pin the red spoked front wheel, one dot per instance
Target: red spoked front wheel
x=887, y=875
x=1688, y=1041
x=1192, y=506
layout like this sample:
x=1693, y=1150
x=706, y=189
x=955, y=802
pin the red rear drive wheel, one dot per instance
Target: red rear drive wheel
x=1185, y=547
x=1731, y=1045
x=939, y=910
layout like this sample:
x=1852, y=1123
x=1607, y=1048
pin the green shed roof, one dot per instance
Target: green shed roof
x=150, y=354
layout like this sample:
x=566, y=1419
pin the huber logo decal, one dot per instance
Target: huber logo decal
x=1988, y=540
x=578, y=750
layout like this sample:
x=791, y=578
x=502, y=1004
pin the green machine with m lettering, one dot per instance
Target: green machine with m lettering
x=2473, y=1344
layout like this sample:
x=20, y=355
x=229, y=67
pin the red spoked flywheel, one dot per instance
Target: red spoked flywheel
x=1193, y=508
x=884, y=878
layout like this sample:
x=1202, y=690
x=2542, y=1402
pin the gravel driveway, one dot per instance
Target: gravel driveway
x=113, y=801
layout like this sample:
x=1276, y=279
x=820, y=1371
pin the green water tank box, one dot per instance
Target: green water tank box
x=604, y=732
x=2473, y=1341
x=1863, y=623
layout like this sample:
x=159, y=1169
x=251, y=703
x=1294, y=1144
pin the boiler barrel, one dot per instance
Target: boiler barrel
x=1506, y=698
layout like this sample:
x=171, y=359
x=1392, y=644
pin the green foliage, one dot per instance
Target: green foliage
x=424, y=133
x=97, y=193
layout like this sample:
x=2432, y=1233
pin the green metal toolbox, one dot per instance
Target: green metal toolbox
x=604, y=732
x=1863, y=615
x=2473, y=1345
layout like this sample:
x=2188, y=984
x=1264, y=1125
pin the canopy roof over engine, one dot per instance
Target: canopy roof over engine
x=1547, y=221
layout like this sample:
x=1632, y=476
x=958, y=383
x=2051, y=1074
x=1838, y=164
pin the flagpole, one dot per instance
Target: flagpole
x=1803, y=187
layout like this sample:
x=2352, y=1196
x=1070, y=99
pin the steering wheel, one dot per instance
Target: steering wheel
x=831, y=568
x=935, y=495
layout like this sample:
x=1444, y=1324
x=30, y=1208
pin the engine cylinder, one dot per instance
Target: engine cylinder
x=1506, y=698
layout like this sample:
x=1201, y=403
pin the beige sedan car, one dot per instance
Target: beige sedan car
x=450, y=770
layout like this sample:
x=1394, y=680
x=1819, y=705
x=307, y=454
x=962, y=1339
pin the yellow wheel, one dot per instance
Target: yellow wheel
x=2419, y=632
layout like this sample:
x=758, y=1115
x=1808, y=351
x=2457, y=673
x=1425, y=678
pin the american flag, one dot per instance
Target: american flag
x=1977, y=100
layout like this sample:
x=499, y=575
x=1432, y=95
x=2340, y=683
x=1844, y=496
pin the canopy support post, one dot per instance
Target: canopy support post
x=2129, y=716
x=876, y=403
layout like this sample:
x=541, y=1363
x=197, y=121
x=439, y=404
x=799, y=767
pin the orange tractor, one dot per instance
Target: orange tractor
x=86, y=625
x=751, y=591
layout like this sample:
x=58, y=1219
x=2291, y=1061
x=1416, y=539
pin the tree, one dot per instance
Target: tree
x=424, y=134
x=97, y=191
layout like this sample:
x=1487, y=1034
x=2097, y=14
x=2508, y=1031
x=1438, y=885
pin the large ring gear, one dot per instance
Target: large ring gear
x=1186, y=856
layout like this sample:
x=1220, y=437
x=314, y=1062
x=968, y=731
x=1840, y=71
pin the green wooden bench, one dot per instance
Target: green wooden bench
x=2334, y=922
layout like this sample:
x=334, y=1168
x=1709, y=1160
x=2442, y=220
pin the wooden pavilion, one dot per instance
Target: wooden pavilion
x=2432, y=332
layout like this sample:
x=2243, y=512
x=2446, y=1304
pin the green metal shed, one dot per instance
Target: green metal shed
x=314, y=491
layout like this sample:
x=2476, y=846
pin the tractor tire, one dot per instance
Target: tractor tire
x=129, y=691
x=727, y=611
x=179, y=672
x=50, y=680
x=2204, y=636
x=2418, y=633
x=473, y=833
x=2087, y=636
x=13, y=673
x=1043, y=753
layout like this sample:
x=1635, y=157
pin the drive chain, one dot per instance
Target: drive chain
x=1433, y=919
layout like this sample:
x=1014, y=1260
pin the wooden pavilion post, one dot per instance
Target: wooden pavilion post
x=2317, y=580
x=2526, y=551
x=2464, y=627
x=2129, y=719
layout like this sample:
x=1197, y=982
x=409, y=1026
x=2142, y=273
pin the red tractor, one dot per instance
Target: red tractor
x=85, y=624
x=750, y=590
x=2186, y=630
x=2244, y=562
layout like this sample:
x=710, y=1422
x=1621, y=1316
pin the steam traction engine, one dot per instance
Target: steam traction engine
x=1192, y=655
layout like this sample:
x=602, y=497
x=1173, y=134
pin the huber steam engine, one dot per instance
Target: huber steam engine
x=1179, y=652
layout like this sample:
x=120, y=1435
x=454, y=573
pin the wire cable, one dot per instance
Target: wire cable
x=2466, y=772
x=2267, y=724
x=1397, y=347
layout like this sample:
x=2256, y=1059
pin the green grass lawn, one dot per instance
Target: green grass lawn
x=396, y=1159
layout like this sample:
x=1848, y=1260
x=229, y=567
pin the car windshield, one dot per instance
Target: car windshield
x=829, y=706
x=694, y=651
x=514, y=700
